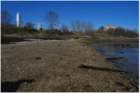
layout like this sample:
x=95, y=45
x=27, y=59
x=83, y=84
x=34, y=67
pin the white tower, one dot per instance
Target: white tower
x=18, y=19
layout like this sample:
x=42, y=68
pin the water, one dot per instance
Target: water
x=130, y=61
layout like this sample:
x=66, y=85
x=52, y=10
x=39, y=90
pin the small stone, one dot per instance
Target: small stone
x=38, y=58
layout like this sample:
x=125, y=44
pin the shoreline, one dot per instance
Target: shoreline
x=56, y=65
x=128, y=44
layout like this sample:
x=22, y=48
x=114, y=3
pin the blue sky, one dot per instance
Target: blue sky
x=99, y=13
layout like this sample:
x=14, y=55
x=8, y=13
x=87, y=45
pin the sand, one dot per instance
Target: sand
x=55, y=65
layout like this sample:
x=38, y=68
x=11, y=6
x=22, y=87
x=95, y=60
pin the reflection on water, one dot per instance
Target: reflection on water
x=129, y=52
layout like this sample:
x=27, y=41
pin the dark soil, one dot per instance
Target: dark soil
x=8, y=40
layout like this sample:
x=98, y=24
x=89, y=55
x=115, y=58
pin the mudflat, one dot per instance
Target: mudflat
x=58, y=66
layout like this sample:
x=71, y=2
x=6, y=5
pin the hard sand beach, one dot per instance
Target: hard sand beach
x=59, y=66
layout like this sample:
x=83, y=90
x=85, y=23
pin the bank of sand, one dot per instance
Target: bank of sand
x=58, y=65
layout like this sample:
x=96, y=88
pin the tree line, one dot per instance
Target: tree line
x=118, y=31
x=53, y=22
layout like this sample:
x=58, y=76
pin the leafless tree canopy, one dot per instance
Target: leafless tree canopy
x=65, y=28
x=88, y=28
x=77, y=26
x=29, y=25
x=82, y=26
x=52, y=18
x=5, y=17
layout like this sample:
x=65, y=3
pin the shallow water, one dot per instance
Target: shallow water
x=130, y=54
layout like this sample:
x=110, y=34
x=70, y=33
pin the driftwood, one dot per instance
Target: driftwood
x=99, y=68
x=114, y=58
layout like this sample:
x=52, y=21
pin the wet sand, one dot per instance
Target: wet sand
x=59, y=66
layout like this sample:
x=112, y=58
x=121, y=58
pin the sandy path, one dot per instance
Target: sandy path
x=54, y=65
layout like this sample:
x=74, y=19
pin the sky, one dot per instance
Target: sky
x=98, y=13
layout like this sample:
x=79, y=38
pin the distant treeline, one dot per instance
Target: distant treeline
x=52, y=19
x=12, y=29
x=119, y=31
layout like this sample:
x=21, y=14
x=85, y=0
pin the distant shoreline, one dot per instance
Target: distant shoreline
x=88, y=40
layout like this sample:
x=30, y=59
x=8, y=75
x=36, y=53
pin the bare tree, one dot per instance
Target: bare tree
x=77, y=26
x=52, y=18
x=88, y=28
x=29, y=25
x=65, y=29
x=5, y=17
